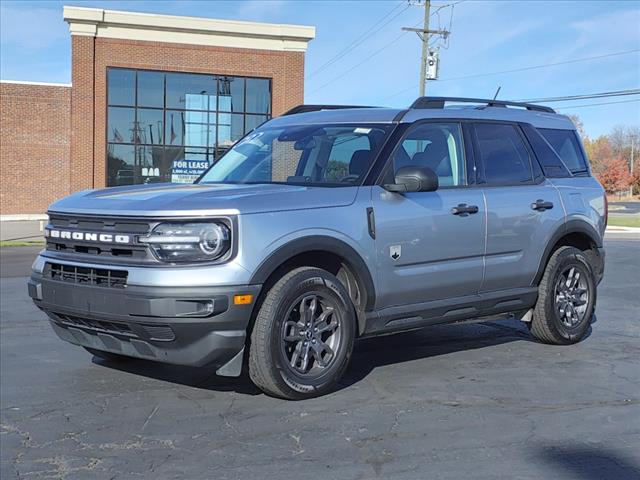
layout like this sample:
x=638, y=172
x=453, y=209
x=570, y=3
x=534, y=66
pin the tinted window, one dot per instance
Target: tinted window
x=437, y=146
x=565, y=144
x=151, y=89
x=258, y=95
x=504, y=155
x=122, y=86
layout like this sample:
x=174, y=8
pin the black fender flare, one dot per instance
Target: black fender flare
x=318, y=243
x=572, y=226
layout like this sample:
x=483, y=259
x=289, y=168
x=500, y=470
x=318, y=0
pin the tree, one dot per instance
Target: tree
x=598, y=151
x=615, y=175
x=579, y=125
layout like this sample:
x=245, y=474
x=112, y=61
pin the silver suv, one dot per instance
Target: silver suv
x=329, y=224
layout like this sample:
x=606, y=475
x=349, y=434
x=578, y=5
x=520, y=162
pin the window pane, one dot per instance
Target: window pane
x=186, y=164
x=566, y=145
x=150, y=126
x=253, y=121
x=121, y=86
x=506, y=159
x=437, y=146
x=120, y=127
x=190, y=91
x=258, y=95
x=120, y=165
x=230, y=129
x=189, y=128
x=231, y=94
x=150, y=89
x=150, y=166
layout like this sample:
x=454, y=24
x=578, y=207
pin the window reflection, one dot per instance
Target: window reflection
x=164, y=127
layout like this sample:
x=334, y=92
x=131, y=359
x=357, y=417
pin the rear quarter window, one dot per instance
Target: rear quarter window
x=566, y=145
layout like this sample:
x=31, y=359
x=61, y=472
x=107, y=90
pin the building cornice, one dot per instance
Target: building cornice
x=97, y=22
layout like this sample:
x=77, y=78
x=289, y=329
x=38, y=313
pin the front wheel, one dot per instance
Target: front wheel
x=303, y=335
x=566, y=298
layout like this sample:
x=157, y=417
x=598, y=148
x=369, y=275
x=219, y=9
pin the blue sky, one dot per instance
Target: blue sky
x=487, y=36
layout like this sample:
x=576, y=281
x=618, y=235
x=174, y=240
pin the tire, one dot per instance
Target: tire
x=563, y=312
x=288, y=325
x=111, y=357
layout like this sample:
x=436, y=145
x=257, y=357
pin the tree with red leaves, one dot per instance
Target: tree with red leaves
x=614, y=174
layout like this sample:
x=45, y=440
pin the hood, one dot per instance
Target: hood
x=172, y=199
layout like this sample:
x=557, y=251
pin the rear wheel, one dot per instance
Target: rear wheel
x=566, y=298
x=112, y=357
x=303, y=335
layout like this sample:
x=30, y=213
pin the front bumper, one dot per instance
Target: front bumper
x=193, y=326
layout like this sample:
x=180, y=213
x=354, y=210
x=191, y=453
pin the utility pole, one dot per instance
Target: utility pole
x=424, y=33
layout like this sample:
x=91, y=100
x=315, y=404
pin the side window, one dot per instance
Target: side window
x=565, y=143
x=504, y=155
x=437, y=146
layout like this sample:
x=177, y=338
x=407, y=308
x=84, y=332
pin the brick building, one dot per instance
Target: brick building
x=152, y=98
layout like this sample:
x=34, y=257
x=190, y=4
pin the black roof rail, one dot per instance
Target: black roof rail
x=438, y=102
x=315, y=108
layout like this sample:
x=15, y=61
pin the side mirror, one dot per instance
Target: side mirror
x=414, y=179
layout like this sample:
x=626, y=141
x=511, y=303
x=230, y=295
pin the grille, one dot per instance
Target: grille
x=86, y=276
x=160, y=333
x=96, y=325
x=98, y=251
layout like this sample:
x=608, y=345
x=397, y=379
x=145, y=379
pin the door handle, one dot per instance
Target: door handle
x=540, y=205
x=464, y=210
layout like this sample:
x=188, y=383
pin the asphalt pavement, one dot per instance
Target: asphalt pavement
x=479, y=400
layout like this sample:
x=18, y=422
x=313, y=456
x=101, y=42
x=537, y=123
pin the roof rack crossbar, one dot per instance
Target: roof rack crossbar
x=315, y=108
x=438, y=102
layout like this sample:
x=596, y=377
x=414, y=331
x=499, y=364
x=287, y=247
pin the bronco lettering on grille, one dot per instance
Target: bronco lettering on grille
x=87, y=236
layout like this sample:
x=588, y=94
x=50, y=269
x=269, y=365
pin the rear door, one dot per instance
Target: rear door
x=428, y=248
x=523, y=208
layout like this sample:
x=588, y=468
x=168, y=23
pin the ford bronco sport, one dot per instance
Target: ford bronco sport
x=329, y=224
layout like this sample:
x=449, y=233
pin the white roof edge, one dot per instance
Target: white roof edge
x=46, y=84
x=100, y=22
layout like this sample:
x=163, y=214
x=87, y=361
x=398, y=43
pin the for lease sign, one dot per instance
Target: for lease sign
x=187, y=171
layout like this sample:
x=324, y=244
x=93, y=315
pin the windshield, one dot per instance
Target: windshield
x=324, y=155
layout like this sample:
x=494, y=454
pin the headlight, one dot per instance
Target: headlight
x=189, y=242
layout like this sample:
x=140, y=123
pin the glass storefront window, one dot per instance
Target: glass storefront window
x=120, y=125
x=149, y=126
x=120, y=163
x=169, y=127
x=258, y=95
x=122, y=87
x=231, y=94
x=150, y=89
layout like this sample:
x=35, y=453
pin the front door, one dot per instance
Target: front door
x=430, y=245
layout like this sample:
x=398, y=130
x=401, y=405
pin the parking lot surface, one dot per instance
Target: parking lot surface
x=479, y=400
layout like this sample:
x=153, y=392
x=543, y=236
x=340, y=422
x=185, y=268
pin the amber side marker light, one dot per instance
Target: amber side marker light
x=242, y=299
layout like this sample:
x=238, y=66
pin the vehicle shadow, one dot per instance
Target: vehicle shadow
x=589, y=463
x=437, y=340
x=368, y=354
x=197, y=377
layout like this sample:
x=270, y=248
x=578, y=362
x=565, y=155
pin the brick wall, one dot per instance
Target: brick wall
x=92, y=56
x=34, y=146
x=53, y=138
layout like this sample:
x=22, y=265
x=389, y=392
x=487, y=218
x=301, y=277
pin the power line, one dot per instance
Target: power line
x=360, y=39
x=569, y=98
x=388, y=44
x=366, y=59
x=522, y=69
x=597, y=104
